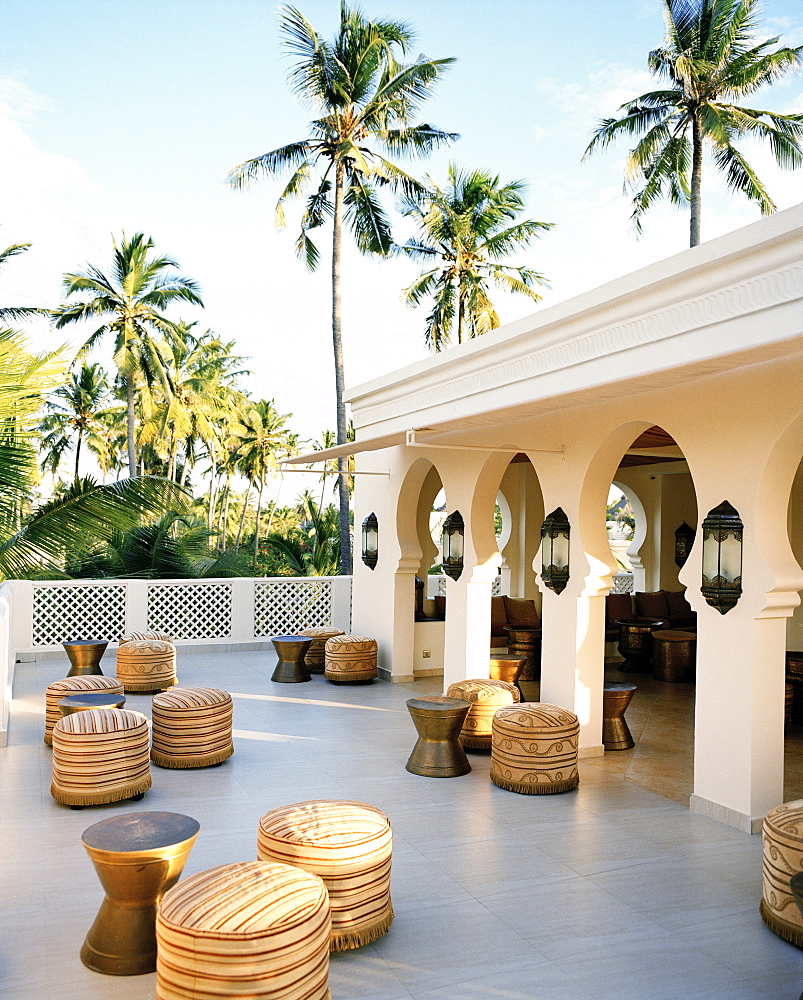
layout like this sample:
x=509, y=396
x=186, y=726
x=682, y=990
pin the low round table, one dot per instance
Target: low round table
x=615, y=731
x=635, y=644
x=84, y=656
x=526, y=642
x=508, y=668
x=138, y=857
x=90, y=699
x=290, y=667
x=438, y=721
x=673, y=656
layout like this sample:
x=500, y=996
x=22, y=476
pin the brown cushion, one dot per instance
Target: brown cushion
x=521, y=612
x=652, y=605
x=617, y=606
x=498, y=616
x=677, y=603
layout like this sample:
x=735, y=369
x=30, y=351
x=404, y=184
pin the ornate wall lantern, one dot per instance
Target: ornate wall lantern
x=452, y=545
x=684, y=539
x=370, y=540
x=555, y=550
x=722, y=557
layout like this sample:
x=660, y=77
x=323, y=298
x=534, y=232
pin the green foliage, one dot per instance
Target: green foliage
x=312, y=548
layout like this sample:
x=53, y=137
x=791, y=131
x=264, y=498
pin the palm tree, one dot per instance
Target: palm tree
x=467, y=229
x=710, y=58
x=131, y=302
x=364, y=101
x=73, y=412
x=14, y=313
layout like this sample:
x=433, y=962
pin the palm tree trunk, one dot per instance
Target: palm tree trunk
x=129, y=398
x=461, y=312
x=259, y=512
x=78, y=451
x=242, y=518
x=223, y=523
x=696, y=179
x=337, y=344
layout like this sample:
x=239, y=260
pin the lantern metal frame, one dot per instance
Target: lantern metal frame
x=453, y=528
x=370, y=546
x=555, y=528
x=721, y=590
x=684, y=540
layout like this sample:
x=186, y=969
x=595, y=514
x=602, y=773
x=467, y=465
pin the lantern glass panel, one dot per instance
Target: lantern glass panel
x=730, y=558
x=560, y=552
x=710, y=556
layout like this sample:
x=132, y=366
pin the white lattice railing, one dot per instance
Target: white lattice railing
x=45, y=614
x=622, y=583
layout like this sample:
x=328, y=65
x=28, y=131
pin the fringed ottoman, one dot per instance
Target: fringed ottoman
x=149, y=634
x=349, y=845
x=73, y=685
x=783, y=858
x=191, y=727
x=485, y=697
x=534, y=749
x=316, y=654
x=251, y=930
x=350, y=658
x=100, y=756
x=146, y=665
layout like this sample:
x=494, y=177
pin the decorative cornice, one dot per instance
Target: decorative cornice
x=656, y=326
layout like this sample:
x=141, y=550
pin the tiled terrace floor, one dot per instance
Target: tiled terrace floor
x=607, y=893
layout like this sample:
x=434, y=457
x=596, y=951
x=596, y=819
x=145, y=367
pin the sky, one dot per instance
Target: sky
x=120, y=116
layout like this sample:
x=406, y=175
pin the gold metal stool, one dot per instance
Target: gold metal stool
x=290, y=667
x=84, y=656
x=508, y=668
x=615, y=732
x=673, y=656
x=526, y=642
x=438, y=721
x=635, y=645
x=137, y=857
x=90, y=699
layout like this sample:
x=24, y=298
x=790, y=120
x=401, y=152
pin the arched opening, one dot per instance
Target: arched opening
x=793, y=728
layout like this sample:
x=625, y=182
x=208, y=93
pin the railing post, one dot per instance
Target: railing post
x=242, y=609
x=341, y=602
x=21, y=605
x=136, y=605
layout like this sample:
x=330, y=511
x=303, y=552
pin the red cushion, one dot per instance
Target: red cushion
x=498, y=616
x=652, y=605
x=617, y=606
x=677, y=603
x=521, y=612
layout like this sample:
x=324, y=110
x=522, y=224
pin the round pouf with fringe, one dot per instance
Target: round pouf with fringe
x=146, y=665
x=250, y=930
x=486, y=696
x=316, y=654
x=100, y=756
x=783, y=858
x=191, y=727
x=83, y=684
x=148, y=634
x=349, y=844
x=350, y=658
x=534, y=749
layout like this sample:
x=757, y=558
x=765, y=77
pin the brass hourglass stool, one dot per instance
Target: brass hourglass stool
x=85, y=700
x=138, y=857
x=615, y=731
x=438, y=721
x=84, y=656
x=290, y=667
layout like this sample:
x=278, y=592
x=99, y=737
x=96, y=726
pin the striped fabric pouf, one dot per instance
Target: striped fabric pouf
x=150, y=634
x=100, y=756
x=146, y=665
x=191, y=727
x=534, y=749
x=316, y=654
x=250, y=930
x=783, y=858
x=485, y=696
x=349, y=844
x=350, y=658
x=73, y=685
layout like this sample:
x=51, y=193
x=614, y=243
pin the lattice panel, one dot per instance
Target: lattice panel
x=191, y=610
x=622, y=583
x=61, y=614
x=284, y=608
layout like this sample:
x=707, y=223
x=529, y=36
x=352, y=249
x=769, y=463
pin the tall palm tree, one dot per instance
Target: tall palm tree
x=364, y=102
x=11, y=314
x=710, y=60
x=74, y=413
x=467, y=230
x=131, y=302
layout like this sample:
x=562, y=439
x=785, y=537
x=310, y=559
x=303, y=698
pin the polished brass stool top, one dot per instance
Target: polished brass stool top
x=438, y=721
x=137, y=857
x=84, y=656
x=90, y=699
x=290, y=667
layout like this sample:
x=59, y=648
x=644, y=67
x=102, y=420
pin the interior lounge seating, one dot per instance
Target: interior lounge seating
x=667, y=606
x=511, y=611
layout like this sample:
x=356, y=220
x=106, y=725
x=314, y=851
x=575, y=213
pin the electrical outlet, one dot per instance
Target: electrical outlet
x=426, y=654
